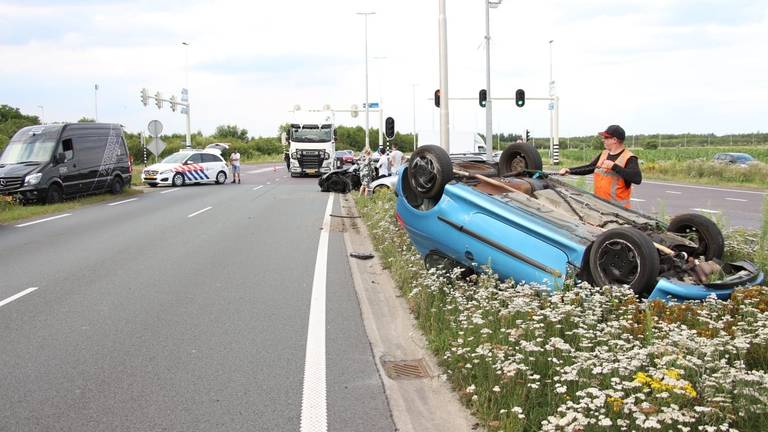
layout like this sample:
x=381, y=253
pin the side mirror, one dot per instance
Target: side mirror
x=60, y=158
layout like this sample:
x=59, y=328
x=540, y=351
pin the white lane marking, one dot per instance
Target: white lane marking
x=674, y=192
x=275, y=168
x=170, y=190
x=737, y=199
x=122, y=202
x=637, y=199
x=199, y=211
x=705, y=187
x=706, y=210
x=314, y=409
x=44, y=220
x=269, y=183
x=258, y=187
x=14, y=297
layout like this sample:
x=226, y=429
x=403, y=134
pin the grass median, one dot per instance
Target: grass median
x=585, y=358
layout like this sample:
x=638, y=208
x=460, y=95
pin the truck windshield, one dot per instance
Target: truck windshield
x=32, y=144
x=311, y=135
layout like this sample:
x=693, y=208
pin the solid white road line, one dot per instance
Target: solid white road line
x=637, y=199
x=258, y=187
x=705, y=187
x=737, y=199
x=674, y=192
x=314, y=409
x=170, y=190
x=14, y=297
x=44, y=220
x=199, y=211
x=122, y=202
x=706, y=210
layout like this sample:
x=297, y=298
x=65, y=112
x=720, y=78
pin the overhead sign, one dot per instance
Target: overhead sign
x=155, y=128
x=372, y=105
x=156, y=146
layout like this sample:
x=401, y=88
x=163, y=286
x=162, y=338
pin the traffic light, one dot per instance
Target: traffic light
x=389, y=128
x=144, y=96
x=527, y=135
x=159, y=100
x=520, y=98
x=437, y=98
x=173, y=103
x=483, y=97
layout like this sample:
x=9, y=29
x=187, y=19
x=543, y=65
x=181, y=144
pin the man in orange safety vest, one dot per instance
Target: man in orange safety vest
x=615, y=169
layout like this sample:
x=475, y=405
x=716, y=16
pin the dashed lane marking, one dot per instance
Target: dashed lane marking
x=674, y=192
x=199, y=211
x=44, y=220
x=169, y=190
x=706, y=210
x=258, y=187
x=16, y=296
x=737, y=199
x=122, y=202
x=637, y=199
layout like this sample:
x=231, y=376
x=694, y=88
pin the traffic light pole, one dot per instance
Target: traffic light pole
x=145, y=97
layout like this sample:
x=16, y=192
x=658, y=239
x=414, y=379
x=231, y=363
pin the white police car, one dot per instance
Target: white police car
x=187, y=166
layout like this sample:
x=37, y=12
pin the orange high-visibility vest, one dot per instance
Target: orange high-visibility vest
x=609, y=185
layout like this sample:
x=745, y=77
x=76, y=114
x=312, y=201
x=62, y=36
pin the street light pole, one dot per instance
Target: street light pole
x=186, y=94
x=444, y=114
x=367, y=139
x=96, y=102
x=488, y=103
x=554, y=114
x=42, y=114
x=414, y=115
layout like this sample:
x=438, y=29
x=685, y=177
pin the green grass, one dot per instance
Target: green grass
x=586, y=359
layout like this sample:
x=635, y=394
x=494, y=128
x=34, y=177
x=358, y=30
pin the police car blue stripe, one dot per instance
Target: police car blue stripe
x=189, y=176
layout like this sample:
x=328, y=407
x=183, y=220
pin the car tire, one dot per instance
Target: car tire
x=178, y=179
x=518, y=157
x=117, y=186
x=708, y=237
x=625, y=256
x=221, y=177
x=338, y=184
x=54, y=194
x=430, y=169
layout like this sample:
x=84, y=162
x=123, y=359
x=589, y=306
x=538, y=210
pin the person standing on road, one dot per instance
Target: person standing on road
x=234, y=159
x=383, y=166
x=615, y=168
x=395, y=159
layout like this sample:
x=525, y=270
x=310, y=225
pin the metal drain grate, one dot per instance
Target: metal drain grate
x=405, y=369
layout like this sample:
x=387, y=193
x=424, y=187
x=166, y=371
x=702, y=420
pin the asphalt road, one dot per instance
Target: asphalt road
x=183, y=309
x=735, y=207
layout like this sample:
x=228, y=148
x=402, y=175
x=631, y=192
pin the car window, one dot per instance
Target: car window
x=207, y=157
x=195, y=158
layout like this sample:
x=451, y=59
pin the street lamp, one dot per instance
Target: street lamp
x=367, y=139
x=488, y=104
x=42, y=114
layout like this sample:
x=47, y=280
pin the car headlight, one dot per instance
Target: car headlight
x=327, y=155
x=294, y=155
x=33, y=179
x=165, y=172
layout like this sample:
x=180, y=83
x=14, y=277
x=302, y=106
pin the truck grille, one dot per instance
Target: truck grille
x=311, y=159
x=10, y=183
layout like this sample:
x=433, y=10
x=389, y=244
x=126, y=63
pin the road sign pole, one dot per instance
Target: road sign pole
x=189, y=135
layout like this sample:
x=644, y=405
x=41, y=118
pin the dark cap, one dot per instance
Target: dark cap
x=614, y=131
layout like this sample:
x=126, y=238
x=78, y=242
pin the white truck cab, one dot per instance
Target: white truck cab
x=312, y=143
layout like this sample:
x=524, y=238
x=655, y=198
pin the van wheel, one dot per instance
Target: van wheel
x=178, y=179
x=54, y=194
x=117, y=186
x=221, y=177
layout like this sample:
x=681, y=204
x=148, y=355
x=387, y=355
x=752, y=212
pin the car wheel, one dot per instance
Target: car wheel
x=54, y=194
x=117, y=186
x=338, y=184
x=517, y=158
x=221, y=177
x=178, y=179
x=624, y=256
x=700, y=230
x=430, y=169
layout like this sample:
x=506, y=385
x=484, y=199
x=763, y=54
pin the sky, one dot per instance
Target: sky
x=652, y=66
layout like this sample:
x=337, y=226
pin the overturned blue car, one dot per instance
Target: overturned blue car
x=533, y=227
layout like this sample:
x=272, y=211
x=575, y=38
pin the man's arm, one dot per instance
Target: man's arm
x=631, y=172
x=584, y=169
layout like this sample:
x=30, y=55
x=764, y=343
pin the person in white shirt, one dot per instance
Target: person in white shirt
x=234, y=159
x=383, y=165
x=395, y=159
